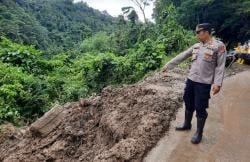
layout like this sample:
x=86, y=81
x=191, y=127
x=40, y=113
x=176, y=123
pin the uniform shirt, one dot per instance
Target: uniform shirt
x=208, y=62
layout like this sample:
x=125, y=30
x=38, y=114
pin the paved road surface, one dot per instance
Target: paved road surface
x=227, y=131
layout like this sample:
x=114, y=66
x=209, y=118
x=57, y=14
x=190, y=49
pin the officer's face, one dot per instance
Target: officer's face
x=202, y=35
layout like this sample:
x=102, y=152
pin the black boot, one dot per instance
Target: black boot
x=196, y=139
x=187, y=123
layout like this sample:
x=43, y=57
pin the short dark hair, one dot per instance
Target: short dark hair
x=204, y=27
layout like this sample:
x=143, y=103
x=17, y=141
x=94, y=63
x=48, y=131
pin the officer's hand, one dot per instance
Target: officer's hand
x=215, y=89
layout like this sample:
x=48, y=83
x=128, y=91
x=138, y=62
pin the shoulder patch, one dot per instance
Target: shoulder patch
x=222, y=49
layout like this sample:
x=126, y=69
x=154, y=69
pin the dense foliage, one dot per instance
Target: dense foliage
x=54, y=25
x=30, y=83
x=58, y=51
x=230, y=18
x=22, y=87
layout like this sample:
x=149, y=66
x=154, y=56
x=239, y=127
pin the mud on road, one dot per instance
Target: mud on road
x=124, y=124
x=227, y=130
x=120, y=124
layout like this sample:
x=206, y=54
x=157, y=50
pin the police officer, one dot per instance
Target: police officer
x=207, y=70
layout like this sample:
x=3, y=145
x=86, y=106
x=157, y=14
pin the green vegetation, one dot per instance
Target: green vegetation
x=59, y=51
x=229, y=18
x=52, y=25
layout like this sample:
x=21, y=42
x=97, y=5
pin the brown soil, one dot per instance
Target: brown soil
x=121, y=124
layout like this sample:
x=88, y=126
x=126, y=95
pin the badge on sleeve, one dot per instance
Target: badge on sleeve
x=222, y=49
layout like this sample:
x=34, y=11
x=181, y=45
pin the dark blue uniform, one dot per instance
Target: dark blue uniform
x=196, y=97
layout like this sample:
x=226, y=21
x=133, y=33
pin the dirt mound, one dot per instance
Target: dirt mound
x=120, y=124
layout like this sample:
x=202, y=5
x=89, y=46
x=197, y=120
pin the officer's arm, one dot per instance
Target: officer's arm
x=219, y=70
x=179, y=58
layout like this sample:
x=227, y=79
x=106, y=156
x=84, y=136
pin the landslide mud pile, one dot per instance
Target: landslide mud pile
x=120, y=124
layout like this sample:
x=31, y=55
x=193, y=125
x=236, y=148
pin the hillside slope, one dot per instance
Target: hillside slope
x=58, y=24
x=121, y=124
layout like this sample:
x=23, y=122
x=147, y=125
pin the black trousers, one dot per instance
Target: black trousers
x=196, y=97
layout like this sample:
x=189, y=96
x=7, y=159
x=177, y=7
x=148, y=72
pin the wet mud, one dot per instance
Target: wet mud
x=121, y=124
x=134, y=123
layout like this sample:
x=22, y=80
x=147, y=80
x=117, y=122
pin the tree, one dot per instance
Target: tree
x=100, y=42
x=142, y=4
x=54, y=25
x=130, y=13
x=229, y=18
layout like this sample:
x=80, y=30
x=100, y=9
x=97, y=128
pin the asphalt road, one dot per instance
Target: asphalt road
x=226, y=134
